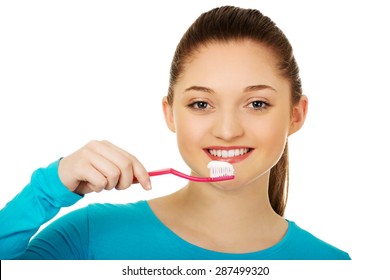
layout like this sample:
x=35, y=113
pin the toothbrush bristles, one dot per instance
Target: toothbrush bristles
x=220, y=169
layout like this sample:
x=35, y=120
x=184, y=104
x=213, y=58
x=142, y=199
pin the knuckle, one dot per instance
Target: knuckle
x=109, y=187
x=121, y=187
x=126, y=165
x=96, y=188
x=101, y=183
x=93, y=144
x=113, y=173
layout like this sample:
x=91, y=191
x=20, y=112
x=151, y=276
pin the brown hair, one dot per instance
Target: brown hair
x=232, y=23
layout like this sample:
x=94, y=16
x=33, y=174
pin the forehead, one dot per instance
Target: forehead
x=234, y=45
x=234, y=63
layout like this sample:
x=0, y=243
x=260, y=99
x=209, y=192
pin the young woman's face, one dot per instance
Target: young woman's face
x=231, y=104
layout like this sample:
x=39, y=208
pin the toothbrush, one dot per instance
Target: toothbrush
x=219, y=171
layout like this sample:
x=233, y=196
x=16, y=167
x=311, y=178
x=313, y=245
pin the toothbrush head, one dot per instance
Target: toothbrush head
x=219, y=169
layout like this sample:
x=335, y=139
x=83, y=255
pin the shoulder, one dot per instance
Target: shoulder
x=105, y=216
x=305, y=245
x=125, y=231
x=109, y=209
x=92, y=232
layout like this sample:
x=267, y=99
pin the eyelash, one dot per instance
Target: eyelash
x=263, y=105
x=195, y=105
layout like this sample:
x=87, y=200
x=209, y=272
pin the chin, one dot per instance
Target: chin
x=227, y=185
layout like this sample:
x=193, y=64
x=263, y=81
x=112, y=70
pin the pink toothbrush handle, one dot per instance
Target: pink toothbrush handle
x=185, y=176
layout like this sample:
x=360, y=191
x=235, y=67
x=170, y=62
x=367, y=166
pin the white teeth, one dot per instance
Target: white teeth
x=228, y=153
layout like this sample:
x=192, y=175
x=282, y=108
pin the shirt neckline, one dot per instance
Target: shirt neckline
x=265, y=253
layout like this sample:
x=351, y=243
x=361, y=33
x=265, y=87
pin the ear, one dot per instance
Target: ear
x=299, y=115
x=168, y=114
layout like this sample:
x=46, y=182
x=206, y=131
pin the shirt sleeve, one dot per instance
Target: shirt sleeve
x=67, y=238
x=36, y=204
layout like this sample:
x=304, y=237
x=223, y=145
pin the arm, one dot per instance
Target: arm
x=36, y=204
x=97, y=166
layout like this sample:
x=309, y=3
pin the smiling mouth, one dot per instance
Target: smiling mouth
x=228, y=153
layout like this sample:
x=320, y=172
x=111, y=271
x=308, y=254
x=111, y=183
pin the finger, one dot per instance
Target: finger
x=108, y=169
x=91, y=180
x=86, y=187
x=111, y=161
x=141, y=175
x=75, y=169
x=129, y=165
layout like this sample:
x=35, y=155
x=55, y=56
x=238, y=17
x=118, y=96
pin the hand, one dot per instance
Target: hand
x=100, y=165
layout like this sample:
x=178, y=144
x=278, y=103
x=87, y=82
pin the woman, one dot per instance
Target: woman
x=235, y=95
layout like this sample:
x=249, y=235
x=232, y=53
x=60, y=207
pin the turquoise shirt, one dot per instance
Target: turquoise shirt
x=118, y=231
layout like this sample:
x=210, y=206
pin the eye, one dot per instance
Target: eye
x=199, y=105
x=258, y=105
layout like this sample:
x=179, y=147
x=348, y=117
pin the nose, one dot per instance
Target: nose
x=228, y=126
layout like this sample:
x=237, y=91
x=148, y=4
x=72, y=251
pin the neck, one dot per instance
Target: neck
x=235, y=220
x=244, y=204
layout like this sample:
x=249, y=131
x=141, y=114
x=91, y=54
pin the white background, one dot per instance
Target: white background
x=73, y=71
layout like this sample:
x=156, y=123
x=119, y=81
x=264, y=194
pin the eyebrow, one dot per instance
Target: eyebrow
x=199, y=88
x=259, y=87
x=246, y=90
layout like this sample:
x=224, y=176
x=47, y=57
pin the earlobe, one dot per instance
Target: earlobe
x=168, y=114
x=299, y=115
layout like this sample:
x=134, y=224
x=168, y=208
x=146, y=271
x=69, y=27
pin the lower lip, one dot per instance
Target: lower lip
x=230, y=159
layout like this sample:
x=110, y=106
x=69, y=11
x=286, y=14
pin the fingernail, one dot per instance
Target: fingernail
x=148, y=186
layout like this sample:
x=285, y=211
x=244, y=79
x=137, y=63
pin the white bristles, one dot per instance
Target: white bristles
x=220, y=169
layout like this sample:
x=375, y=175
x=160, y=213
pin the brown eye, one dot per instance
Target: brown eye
x=200, y=105
x=258, y=105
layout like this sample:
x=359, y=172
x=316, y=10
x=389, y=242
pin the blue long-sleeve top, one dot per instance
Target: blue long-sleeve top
x=117, y=231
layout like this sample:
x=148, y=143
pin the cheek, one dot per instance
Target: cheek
x=272, y=135
x=189, y=132
x=190, y=136
x=275, y=141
